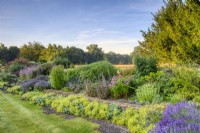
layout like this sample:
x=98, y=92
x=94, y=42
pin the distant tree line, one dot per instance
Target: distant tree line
x=35, y=51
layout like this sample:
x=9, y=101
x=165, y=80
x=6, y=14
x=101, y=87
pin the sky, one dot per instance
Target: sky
x=112, y=24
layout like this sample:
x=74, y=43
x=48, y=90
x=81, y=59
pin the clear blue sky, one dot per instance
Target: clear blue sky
x=112, y=24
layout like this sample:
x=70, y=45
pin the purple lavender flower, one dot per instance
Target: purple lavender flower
x=180, y=118
x=27, y=72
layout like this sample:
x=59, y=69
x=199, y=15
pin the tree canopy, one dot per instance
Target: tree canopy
x=175, y=33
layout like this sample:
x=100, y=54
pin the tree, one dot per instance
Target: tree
x=51, y=52
x=175, y=34
x=13, y=52
x=75, y=55
x=31, y=51
x=94, y=53
x=118, y=58
x=8, y=54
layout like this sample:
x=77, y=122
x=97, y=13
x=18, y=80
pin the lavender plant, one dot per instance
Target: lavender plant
x=180, y=118
x=27, y=73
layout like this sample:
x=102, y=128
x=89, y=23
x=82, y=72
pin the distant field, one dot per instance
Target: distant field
x=124, y=66
x=117, y=66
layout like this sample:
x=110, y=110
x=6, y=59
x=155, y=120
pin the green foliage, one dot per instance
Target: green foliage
x=57, y=77
x=94, y=53
x=16, y=67
x=31, y=51
x=196, y=99
x=145, y=65
x=6, y=76
x=121, y=87
x=43, y=69
x=186, y=82
x=137, y=120
x=66, y=89
x=175, y=98
x=118, y=58
x=148, y=93
x=114, y=111
x=90, y=89
x=124, y=117
x=92, y=72
x=8, y=54
x=76, y=55
x=71, y=105
x=120, y=90
x=51, y=52
x=97, y=110
x=174, y=36
x=145, y=119
x=62, y=61
x=99, y=89
x=3, y=85
x=14, y=89
x=162, y=81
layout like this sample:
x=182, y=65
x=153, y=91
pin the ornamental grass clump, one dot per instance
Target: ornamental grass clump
x=180, y=118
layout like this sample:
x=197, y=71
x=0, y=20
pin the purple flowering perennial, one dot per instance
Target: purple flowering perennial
x=27, y=72
x=113, y=81
x=180, y=118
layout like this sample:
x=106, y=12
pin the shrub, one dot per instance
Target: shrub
x=43, y=69
x=75, y=86
x=20, y=61
x=163, y=82
x=119, y=86
x=114, y=111
x=29, y=95
x=175, y=98
x=41, y=85
x=29, y=84
x=180, y=118
x=124, y=117
x=7, y=77
x=145, y=65
x=57, y=77
x=90, y=89
x=186, y=82
x=14, y=89
x=99, y=89
x=92, y=72
x=27, y=73
x=148, y=93
x=97, y=110
x=3, y=85
x=145, y=118
x=71, y=105
x=16, y=67
x=66, y=89
x=196, y=99
x=62, y=61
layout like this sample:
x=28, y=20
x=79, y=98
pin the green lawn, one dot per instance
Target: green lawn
x=18, y=116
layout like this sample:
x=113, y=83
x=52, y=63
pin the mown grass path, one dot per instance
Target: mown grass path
x=18, y=116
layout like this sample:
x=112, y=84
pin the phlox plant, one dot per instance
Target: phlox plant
x=182, y=117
